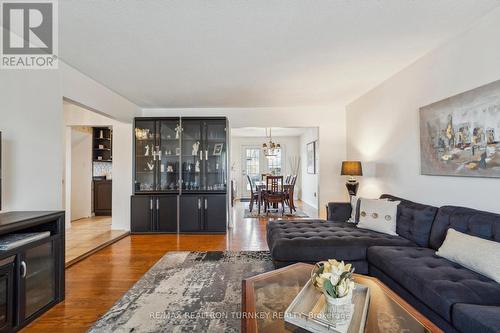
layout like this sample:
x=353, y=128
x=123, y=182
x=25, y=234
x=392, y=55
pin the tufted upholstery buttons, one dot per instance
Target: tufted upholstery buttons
x=316, y=240
x=473, y=222
x=433, y=280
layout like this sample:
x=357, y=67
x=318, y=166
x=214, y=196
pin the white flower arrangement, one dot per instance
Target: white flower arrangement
x=333, y=278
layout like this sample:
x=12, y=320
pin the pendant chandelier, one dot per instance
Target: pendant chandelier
x=270, y=148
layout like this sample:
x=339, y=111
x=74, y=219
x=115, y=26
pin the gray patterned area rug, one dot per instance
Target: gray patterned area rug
x=186, y=292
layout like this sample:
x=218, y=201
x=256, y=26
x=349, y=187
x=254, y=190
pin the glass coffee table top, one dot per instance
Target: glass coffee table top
x=267, y=296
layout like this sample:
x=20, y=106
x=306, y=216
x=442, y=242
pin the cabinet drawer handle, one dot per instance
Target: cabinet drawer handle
x=201, y=155
x=23, y=269
x=157, y=204
x=206, y=204
x=199, y=203
x=206, y=155
x=151, y=204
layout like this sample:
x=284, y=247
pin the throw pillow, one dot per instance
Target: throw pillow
x=354, y=206
x=378, y=215
x=475, y=253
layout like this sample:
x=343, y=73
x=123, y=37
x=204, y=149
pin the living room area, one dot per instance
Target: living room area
x=326, y=166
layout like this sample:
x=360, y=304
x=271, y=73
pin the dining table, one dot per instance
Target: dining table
x=261, y=186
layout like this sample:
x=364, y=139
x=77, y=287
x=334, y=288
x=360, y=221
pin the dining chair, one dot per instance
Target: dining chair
x=253, y=195
x=290, y=189
x=274, y=194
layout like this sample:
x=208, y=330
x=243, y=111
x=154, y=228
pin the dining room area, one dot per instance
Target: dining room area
x=274, y=173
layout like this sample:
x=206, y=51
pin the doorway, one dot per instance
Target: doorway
x=250, y=159
x=251, y=168
x=87, y=182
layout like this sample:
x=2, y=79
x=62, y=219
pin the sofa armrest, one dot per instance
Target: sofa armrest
x=338, y=211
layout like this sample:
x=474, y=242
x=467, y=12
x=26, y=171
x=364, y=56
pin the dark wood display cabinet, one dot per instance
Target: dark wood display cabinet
x=180, y=175
x=102, y=162
x=102, y=147
x=154, y=213
x=31, y=274
x=203, y=213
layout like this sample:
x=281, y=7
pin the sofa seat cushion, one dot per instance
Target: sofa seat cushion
x=435, y=281
x=476, y=318
x=316, y=240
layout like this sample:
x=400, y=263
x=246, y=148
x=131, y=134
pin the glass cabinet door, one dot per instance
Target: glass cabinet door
x=192, y=156
x=145, y=155
x=215, y=155
x=6, y=294
x=39, y=277
x=169, y=151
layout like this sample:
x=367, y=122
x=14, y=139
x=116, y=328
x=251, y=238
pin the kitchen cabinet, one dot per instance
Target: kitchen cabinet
x=103, y=190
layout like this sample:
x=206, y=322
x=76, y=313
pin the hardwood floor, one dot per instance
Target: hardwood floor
x=88, y=235
x=96, y=283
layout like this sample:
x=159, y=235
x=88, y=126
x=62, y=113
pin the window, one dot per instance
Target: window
x=252, y=164
x=274, y=164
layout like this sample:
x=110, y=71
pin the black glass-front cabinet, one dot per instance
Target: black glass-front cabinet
x=177, y=162
x=157, y=150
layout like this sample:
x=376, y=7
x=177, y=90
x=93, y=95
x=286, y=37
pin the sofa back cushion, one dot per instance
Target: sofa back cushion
x=466, y=220
x=414, y=220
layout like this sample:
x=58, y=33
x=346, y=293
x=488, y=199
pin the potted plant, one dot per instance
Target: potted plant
x=335, y=280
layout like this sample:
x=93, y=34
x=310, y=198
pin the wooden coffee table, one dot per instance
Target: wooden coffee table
x=266, y=297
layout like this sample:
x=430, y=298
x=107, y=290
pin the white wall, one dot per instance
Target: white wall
x=329, y=120
x=30, y=121
x=81, y=173
x=83, y=90
x=92, y=95
x=309, y=181
x=122, y=159
x=290, y=147
x=383, y=125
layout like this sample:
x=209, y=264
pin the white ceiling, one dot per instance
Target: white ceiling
x=261, y=131
x=251, y=53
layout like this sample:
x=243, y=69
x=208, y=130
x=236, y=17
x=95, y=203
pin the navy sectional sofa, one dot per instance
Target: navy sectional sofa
x=453, y=297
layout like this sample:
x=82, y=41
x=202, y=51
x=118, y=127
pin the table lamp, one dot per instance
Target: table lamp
x=351, y=169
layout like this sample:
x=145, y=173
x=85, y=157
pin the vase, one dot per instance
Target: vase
x=338, y=309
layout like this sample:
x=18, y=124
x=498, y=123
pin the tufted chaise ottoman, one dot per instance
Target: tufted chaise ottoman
x=315, y=240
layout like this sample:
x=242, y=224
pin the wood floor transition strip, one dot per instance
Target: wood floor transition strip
x=96, y=249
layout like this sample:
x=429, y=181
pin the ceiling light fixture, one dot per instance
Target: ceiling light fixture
x=271, y=148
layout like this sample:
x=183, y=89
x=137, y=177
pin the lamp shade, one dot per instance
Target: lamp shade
x=351, y=168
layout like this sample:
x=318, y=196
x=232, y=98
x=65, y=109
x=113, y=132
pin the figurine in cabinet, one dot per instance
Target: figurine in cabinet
x=196, y=146
x=178, y=131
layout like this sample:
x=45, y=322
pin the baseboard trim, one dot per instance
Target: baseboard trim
x=315, y=206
